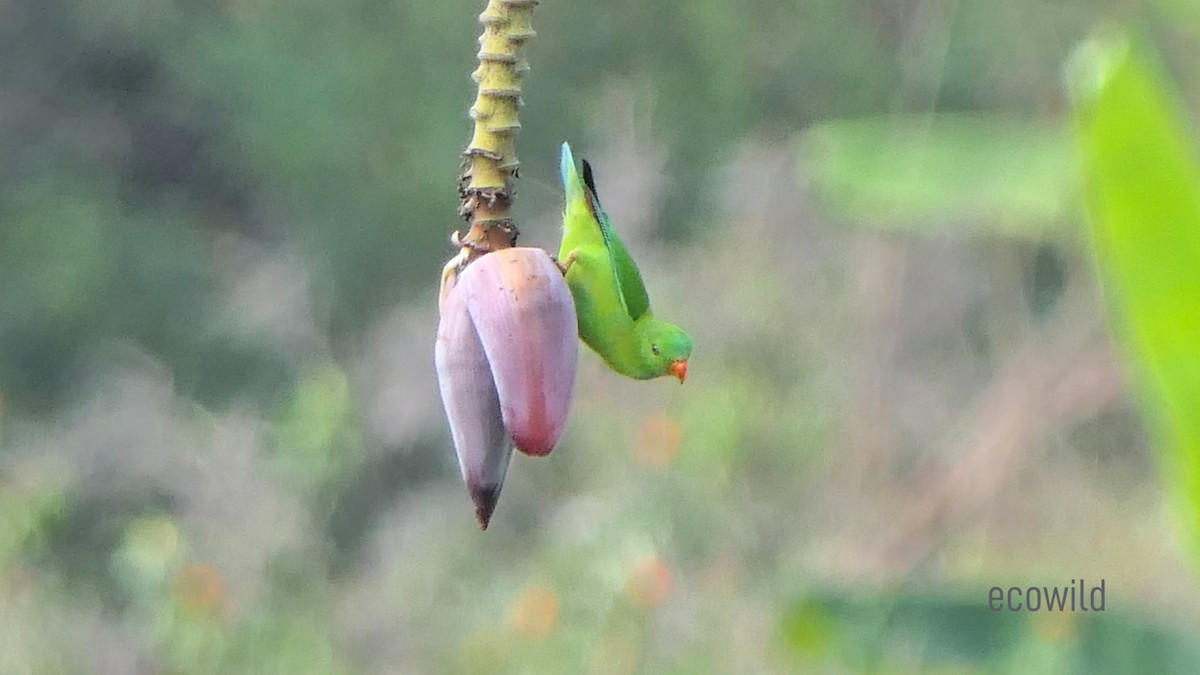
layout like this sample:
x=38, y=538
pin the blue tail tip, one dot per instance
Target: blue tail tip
x=566, y=163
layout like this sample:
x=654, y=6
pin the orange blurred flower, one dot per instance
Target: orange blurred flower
x=658, y=441
x=200, y=590
x=649, y=582
x=534, y=612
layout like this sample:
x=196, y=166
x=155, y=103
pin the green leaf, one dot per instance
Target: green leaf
x=1143, y=196
x=935, y=172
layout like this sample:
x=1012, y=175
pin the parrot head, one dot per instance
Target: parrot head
x=666, y=349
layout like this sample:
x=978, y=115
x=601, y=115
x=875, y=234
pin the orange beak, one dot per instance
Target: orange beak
x=678, y=368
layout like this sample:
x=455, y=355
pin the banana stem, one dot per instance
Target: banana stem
x=490, y=163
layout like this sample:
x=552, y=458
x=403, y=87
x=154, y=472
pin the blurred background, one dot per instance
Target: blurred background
x=221, y=444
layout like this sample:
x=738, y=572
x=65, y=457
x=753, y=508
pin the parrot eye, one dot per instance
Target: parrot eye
x=654, y=348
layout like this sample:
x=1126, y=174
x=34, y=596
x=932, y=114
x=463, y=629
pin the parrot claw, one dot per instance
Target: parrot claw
x=565, y=265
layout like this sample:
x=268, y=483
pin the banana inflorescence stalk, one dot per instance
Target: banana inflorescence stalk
x=490, y=160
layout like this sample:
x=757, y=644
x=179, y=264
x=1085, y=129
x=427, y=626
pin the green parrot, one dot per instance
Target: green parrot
x=610, y=299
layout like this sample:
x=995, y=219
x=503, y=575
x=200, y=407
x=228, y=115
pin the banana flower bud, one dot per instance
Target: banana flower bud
x=505, y=356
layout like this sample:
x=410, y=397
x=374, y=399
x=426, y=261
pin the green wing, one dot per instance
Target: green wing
x=629, y=280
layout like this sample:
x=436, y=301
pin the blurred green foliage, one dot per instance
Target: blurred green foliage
x=1143, y=177
x=942, y=170
x=948, y=634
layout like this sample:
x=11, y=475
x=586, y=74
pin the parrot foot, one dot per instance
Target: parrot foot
x=565, y=264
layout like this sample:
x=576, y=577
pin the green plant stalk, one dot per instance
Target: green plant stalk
x=490, y=164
